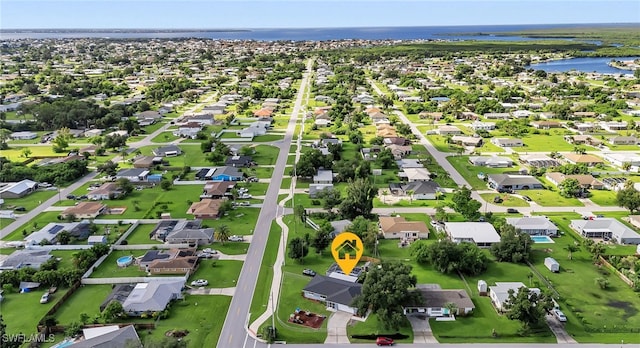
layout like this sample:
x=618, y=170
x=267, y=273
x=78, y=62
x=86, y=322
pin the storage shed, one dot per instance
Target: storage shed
x=482, y=287
x=552, y=264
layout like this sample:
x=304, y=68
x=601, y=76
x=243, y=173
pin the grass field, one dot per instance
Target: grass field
x=508, y=200
x=141, y=235
x=265, y=277
x=16, y=305
x=470, y=172
x=30, y=201
x=603, y=198
x=266, y=154
x=548, y=198
x=219, y=273
x=86, y=299
x=373, y=326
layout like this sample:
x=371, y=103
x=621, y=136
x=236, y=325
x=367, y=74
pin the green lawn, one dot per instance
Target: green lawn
x=151, y=201
x=86, y=299
x=14, y=153
x=141, y=235
x=39, y=221
x=543, y=143
x=259, y=172
x=508, y=200
x=549, y=198
x=196, y=313
x=16, y=306
x=191, y=156
x=30, y=201
x=219, y=273
x=470, y=172
x=268, y=138
x=603, y=198
x=240, y=221
x=373, y=327
x=230, y=248
x=266, y=154
x=109, y=268
x=265, y=277
x=164, y=137
x=66, y=258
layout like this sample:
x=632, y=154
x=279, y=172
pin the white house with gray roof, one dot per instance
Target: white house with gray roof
x=482, y=234
x=491, y=161
x=534, y=225
x=153, y=296
x=606, y=228
x=499, y=293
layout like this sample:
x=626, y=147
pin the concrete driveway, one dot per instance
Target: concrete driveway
x=421, y=329
x=562, y=336
x=337, y=328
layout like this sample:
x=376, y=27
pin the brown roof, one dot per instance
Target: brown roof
x=105, y=188
x=387, y=133
x=583, y=179
x=372, y=110
x=263, y=112
x=391, y=224
x=206, y=206
x=180, y=263
x=217, y=188
x=84, y=208
x=577, y=158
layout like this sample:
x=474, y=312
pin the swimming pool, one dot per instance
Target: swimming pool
x=63, y=344
x=542, y=239
x=124, y=261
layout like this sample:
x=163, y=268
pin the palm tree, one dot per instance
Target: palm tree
x=410, y=194
x=222, y=234
x=384, y=195
x=571, y=248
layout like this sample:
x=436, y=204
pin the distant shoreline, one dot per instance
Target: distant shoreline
x=62, y=31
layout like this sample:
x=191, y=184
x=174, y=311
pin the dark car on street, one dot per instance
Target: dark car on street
x=309, y=272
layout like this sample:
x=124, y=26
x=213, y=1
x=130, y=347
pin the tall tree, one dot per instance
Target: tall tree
x=298, y=249
x=528, y=307
x=222, y=233
x=465, y=205
x=359, y=199
x=385, y=289
x=513, y=247
x=629, y=197
x=570, y=188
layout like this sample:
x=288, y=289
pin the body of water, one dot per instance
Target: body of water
x=302, y=34
x=595, y=64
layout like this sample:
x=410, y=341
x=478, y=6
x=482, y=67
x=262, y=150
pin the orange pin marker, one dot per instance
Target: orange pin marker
x=347, y=249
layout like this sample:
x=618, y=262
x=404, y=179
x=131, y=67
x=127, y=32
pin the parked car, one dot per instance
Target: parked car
x=209, y=251
x=497, y=199
x=558, y=313
x=527, y=198
x=204, y=255
x=44, y=298
x=244, y=204
x=384, y=341
x=245, y=196
x=309, y=272
x=71, y=197
x=20, y=209
x=200, y=282
x=236, y=238
x=44, y=184
x=512, y=211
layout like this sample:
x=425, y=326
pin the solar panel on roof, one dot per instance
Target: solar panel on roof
x=55, y=229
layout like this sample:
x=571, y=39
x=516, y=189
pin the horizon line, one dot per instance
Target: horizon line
x=335, y=27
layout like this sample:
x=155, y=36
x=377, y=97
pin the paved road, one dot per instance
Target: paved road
x=234, y=331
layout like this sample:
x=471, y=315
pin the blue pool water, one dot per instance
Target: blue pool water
x=63, y=344
x=124, y=261
x=542, y=239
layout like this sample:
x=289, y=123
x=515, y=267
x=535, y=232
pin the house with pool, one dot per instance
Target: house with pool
x=534, y=225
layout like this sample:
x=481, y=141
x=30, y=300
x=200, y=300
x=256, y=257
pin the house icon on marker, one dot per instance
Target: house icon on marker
x=347, y=250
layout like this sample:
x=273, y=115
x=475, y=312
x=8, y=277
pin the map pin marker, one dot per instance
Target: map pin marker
x=347, y=249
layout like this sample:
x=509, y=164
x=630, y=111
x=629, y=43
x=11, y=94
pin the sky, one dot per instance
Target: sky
x=212, y=14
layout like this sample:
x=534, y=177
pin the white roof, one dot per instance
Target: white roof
x=479, y=232
x=98, y=331
x=532, y=222
x=501, y=290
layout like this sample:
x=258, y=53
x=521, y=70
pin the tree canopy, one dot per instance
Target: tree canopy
x=465, y=205
x=359, y=199
x=513, y=246
x=528, y=307
x=450, y=257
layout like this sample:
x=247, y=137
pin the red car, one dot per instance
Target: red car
x=384, y=341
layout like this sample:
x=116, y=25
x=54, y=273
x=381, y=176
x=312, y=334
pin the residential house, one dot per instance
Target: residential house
x=421, y=190
x=206, y=209
x=579, y=139
x=188, y=130
x=205, y=119
x=620, y=159
x=507, y=142
x=197, y=236
x=499, y=293
x=18, y=189
x=497, y=116
x=540, y=161
x=546, y=124
x=448, y=130
x=436, y=300
x=93, y=133
x=172, y=261
x=386, y=131
x=133, y=174
x=239, y=161
x=414, y=174
x=108, y=190
x=586, y=181
x=337, y=294
x=205, y=173
x=583, y=127
x=409, y=163
x=323, y=177
x=482, y=234
x=167, y=226
x=340, y=226
x=513, y=182
x=370, y=153
x=634, y=220
x=491, y=161
x=322, y=122
x=534, y=225
x=167, y=151
x=148, y=116
x=146, y=162
x=584, y=114
x=254, y=129
x=315, y=189
x=478, y=125
x=109, y=336
x=49, y=233
x=263, y=112
x=623, y=140
x=217, y=189
x=25, y=258
x=227, y=173
x=146, y=298
x=613, y=126
x=396, y=227
x=400, y=141
x=399, y=151
x=606, y=228
x=23, y=135
x=589, y=160
x=467, y=140
x=90, y=149
x=85, y=210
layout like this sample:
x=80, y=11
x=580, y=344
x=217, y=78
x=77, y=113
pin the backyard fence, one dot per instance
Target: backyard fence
x=149, y=246
x=614, y=270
